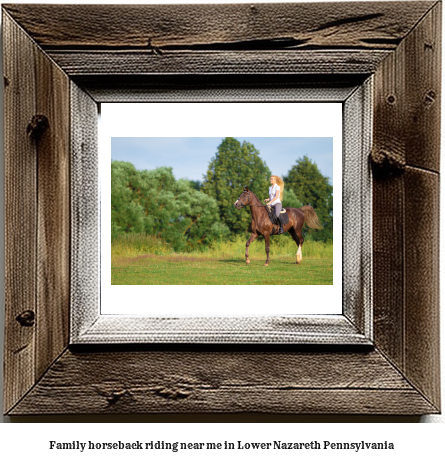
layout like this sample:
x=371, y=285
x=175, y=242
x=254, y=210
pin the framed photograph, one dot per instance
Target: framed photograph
x=357, y=333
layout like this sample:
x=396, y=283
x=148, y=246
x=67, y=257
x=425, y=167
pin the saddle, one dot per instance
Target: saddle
x=273, y=218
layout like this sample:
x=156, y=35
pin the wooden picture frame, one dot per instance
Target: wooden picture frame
x=56, y=71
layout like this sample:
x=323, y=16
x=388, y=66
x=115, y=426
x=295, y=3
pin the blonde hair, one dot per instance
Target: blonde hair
x=280, y=183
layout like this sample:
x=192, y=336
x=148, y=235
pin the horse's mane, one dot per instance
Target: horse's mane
x=254, y=195
x=258, y=203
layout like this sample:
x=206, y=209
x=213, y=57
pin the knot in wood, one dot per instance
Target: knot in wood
x=173, y=393
x=114, y=397
x=388, y=162
x=112, y=394
x=37, y=126
x=26, y=318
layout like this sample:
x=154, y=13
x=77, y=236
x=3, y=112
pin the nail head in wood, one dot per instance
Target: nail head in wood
x=37, y=126
x=26, y=318
x=430, y=97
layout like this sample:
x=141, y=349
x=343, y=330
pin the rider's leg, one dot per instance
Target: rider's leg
x=278, y=207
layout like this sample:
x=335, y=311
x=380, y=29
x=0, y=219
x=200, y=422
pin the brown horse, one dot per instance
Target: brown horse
x=261, y=224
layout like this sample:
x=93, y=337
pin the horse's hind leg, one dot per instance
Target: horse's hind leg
x=252, y=237
x=298, y=238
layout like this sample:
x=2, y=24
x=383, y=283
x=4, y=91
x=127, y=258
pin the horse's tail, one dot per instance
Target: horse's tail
x=311, y=218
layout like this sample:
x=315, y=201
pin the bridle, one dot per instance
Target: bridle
x=248, y=200
x=241, y=202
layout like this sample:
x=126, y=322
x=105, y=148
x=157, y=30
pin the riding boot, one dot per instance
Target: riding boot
x=280, y=230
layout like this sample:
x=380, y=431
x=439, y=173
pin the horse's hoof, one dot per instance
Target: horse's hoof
x=247, y=262
x=266, y=264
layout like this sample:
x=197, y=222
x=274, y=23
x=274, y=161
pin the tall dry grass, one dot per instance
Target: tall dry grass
x=133, y=245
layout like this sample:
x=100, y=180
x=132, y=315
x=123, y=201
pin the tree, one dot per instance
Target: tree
x=290, y=200
x=195, y=185
x=312, y=188
x=127, y=214
x=234, y=166
x=155, y=203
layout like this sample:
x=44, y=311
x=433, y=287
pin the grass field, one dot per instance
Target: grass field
x=140, y=260
x=152, y=269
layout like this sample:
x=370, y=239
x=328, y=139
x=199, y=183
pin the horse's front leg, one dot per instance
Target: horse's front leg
x=252, y=237
x=266, y=240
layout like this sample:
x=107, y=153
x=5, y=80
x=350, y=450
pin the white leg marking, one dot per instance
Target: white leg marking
x=299, y=254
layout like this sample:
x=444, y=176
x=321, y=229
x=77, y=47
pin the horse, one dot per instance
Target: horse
x=262, y=226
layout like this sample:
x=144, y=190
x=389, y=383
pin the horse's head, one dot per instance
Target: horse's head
x=243, y=199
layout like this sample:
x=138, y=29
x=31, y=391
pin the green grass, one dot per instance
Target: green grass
x=163, y=270
x=139, y=259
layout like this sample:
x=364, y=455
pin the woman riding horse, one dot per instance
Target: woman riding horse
x=261, y=224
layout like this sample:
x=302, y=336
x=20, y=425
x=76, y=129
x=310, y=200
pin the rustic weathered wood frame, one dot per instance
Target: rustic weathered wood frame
x=92, y=53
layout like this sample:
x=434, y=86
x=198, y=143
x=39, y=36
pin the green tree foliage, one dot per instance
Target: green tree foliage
x=312, y=188
x=234, y=166
x=290, y=200
x=195, y=185
x=155, y=203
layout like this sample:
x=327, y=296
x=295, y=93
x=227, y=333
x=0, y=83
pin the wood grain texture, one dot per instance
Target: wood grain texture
x=407, y=113
x=37, y=218
x=79, y=63
x=109, y=329
x=389, y=144
x=406, y=206
x=20, y=212
x=223, y=382
x=53, y=235
x=85, y=213
x=388, y=268
x=218, y=87
x=423, y=91
x=225, y=39
x=357, y=209
x=340, y=25
x=422, y=364
x=421, y=210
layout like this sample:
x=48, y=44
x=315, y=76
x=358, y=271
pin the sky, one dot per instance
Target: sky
x=190, y=156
